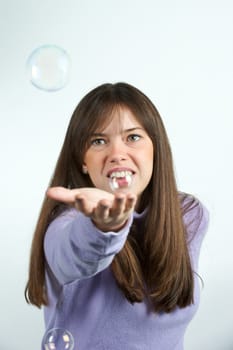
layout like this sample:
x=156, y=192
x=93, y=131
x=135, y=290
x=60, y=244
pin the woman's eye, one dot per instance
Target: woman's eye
x=97, y=142
x=134, y=137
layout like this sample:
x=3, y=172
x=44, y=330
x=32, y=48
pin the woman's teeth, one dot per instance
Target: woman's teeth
x=120, y=174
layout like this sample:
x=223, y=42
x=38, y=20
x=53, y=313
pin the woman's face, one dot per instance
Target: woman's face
x=121, y=151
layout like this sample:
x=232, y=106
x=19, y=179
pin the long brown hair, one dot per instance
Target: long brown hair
x=157, y=268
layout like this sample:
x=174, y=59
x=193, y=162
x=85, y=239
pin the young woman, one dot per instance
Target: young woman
x=114, y=257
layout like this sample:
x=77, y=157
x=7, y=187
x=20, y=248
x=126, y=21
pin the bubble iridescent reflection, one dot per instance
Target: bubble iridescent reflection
x=123, y=180
x=58, y=339
x=48, y=67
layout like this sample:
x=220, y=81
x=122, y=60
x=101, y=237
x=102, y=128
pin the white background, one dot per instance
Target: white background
x=180, y=53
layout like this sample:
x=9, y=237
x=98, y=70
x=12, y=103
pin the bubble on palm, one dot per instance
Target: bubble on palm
x=48, y=67
x=58, y=339
x=120, y=181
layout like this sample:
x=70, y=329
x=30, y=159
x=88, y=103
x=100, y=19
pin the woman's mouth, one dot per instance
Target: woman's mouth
x=120, y=179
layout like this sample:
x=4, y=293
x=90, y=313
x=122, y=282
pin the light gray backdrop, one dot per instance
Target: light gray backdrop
x=180, y=54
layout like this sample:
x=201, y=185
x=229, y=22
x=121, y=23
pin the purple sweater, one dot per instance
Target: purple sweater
x=83, y=295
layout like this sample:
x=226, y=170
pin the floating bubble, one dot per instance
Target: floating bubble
x=121, y=181
x=48, y=67
x=58, y=339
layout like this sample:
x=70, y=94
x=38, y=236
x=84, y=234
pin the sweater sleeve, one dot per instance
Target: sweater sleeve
x=75, y=249
x=196, y=220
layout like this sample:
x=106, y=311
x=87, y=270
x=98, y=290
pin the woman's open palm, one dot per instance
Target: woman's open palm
x=109, y=212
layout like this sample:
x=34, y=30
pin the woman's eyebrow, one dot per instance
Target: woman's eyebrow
x=122, y=132
x=98, y=134
x=132, y=129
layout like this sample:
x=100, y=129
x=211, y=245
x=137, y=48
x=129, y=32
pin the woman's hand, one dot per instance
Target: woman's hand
x=109, y=212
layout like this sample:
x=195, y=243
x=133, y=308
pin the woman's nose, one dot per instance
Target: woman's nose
x=117, y=152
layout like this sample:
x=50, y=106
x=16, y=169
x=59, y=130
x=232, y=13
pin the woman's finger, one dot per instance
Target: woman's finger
x=101, y=212
x=130, y=202
x=82, y=205
x=62, y=194
x=118, y=205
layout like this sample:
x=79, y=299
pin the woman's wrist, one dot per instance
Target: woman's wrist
x=109, y=228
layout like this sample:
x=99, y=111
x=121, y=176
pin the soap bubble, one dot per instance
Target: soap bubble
x=58, y=339
x=48, y=67
x=121, y=182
